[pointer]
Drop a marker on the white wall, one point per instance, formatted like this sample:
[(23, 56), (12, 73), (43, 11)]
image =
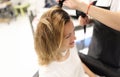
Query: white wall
[(15, 2), (37, 3)]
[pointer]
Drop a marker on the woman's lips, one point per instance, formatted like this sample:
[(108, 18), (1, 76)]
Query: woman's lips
[(72, 43)]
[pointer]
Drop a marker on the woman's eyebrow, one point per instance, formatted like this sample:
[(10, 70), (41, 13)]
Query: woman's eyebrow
[(67, 35)]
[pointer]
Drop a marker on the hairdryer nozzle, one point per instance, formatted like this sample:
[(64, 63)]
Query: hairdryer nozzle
[(61, 3)]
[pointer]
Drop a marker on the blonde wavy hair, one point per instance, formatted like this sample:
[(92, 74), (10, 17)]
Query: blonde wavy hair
[(49, 34)]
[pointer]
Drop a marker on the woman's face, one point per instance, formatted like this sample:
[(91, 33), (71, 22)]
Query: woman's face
[(68, 36)]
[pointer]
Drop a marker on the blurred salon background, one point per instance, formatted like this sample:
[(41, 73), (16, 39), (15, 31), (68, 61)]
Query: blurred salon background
[(18, 21)]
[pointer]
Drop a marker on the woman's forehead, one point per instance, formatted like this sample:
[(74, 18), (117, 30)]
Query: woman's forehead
[(69, 27)]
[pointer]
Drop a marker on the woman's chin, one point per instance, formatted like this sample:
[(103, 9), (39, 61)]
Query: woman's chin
[(72, 45)]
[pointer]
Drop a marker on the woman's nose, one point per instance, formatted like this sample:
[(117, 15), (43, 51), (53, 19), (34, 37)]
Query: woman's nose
[(73, 37)]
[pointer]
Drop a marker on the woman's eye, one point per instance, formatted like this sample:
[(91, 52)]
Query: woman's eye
[(66, 37), (69, 35)]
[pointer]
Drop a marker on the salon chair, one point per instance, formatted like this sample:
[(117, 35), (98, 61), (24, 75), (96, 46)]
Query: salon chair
[(99, 67)]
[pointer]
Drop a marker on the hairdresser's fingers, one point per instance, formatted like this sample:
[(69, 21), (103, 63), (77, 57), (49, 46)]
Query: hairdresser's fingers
[(73, 4), (68, 3), (83, 21), (58, 0)]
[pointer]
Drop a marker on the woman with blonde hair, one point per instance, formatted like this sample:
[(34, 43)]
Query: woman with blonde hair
[(54, 45)]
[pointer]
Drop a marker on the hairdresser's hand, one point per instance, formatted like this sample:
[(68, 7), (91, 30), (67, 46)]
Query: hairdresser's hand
[(88, 71), (73, 4), (83, 21)]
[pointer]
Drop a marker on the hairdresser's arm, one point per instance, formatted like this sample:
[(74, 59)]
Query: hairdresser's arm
[(111, 19)]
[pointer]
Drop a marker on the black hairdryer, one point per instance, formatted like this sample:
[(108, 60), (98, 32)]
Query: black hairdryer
[(61, 3), (79, 13)]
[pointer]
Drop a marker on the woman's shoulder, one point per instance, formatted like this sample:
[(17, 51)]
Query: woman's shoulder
[(45, 72)]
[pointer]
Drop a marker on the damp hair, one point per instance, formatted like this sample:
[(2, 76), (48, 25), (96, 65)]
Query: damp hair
[(49, 34)]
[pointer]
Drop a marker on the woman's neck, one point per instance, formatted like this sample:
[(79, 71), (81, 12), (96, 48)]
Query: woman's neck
[(64, 55), (64, 52)]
